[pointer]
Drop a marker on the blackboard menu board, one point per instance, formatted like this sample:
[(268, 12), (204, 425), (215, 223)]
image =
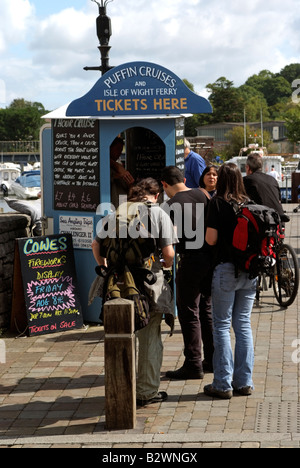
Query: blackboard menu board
[(179, 144), (146, 154), (76, 157), (45, 298)]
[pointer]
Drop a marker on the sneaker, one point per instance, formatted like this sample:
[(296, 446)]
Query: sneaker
[(210, 391), (160, 397), (185, 374)]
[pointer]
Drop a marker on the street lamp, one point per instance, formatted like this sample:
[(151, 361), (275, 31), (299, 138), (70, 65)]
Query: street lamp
[(104, 32)]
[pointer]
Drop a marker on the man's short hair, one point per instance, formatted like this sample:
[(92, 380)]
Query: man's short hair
[(172, 176), (255, 162)]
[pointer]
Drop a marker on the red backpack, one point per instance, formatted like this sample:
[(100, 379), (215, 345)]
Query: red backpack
[(255, 237)]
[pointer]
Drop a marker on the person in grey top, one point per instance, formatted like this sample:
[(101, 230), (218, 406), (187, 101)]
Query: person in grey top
[(159, 294)]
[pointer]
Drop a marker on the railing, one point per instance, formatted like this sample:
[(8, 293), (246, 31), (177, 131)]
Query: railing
[(19, 147)]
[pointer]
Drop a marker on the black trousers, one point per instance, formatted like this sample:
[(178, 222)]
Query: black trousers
[(195, 310)]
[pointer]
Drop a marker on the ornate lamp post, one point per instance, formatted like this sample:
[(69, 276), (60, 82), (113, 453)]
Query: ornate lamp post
[(104, 32)]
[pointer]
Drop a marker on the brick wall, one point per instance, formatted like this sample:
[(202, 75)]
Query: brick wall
[(12, 226)]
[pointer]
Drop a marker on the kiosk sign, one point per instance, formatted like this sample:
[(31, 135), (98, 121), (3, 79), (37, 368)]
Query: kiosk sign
[(81, 228), (139, 88)]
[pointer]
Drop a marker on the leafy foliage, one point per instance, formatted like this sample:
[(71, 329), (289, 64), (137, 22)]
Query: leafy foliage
[(21, 120), (266, 92)]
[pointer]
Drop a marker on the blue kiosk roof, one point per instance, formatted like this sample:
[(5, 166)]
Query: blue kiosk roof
[(134, 90)]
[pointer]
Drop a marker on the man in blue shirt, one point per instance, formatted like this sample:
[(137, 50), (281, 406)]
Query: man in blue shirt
[(194, 166)]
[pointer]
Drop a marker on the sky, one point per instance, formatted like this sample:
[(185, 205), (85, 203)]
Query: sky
[(45, 44)]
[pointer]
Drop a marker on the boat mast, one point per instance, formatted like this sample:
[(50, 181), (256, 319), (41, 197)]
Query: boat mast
[(245, 129), (262, 127)]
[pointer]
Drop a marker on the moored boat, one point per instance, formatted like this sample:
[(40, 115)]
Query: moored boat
[(8, 174), (28, 185)]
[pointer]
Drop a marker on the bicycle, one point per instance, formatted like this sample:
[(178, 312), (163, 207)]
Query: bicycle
[(283, 274)]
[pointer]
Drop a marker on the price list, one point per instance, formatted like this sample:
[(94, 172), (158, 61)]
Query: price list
[(76, 165)]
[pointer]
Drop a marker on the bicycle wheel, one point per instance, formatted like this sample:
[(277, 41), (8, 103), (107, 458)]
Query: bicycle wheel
[(286, 276)]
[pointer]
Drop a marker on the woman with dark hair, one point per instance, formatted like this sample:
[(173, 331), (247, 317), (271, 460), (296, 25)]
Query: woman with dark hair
[(233, 293), (144, 190), (208, 181)]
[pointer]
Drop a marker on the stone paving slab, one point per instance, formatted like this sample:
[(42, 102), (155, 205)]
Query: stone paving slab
[(52, 391), (116, 440)]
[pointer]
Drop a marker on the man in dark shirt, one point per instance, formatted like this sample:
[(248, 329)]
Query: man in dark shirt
[(262, 188), (187, 208)]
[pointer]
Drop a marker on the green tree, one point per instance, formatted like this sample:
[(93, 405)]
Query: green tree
[(291, 72), (189, 85), (21, 120), (236, 141), (22, 104), (226, 100), (275, 88), (254, 102), (258, 81), (191, 123), (292, 118), (236, 138)]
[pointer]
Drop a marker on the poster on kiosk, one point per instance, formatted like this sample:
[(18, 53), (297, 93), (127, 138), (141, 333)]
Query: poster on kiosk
[(143, 104)]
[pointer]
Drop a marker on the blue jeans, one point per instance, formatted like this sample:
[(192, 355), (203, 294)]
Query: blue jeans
[(232, 300)]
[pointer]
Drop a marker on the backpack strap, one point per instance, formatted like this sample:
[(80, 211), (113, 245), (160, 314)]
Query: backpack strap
[(205, 193)]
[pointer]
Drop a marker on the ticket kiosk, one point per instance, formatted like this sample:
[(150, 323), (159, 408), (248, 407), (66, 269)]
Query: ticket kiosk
[(141, 102)]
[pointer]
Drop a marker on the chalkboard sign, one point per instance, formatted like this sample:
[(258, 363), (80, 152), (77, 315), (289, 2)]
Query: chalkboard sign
[(146, 154), (76, 158), (45, 298)]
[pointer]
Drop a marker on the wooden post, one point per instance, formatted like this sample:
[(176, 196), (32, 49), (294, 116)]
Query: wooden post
[(120, 370)]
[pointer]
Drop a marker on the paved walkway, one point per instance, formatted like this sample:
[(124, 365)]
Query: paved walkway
[(52, 391)]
